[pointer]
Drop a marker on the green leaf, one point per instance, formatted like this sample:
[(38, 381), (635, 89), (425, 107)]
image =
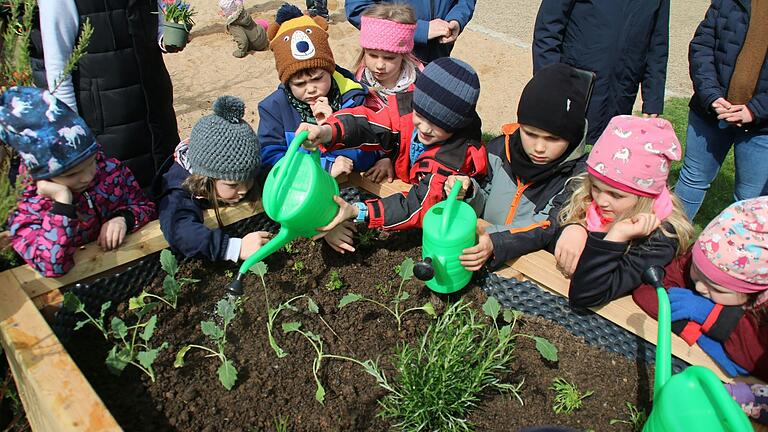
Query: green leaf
[(179, 362), (149, 328), (72, 303), (546, 349), (171, 288), (312, 306), (227, 374), (187, 281), (492, 307), (260, 268), (406, 269), (313, 336), (276, 348), (349, 298), (147, 308), (104, 308), (119, 328), (504, 332), (320, 393), (211, 330), (429, 309), (168, 262), (117, 361), (146, 358), (81, 324), (291, 326), (290, 307), (137, 302), (404, 296), (510, 315), (226, 310)]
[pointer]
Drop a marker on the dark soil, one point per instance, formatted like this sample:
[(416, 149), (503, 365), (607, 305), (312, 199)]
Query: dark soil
[(269, 388)]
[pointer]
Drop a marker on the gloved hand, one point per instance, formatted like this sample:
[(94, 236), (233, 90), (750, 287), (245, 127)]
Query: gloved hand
[(688, 305), (715, 350)]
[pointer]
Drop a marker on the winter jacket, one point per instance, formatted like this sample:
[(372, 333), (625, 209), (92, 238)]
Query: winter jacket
[(608, 270), (181, 215), (625, 42), (712, 57), (392, 130), (278, 120), (523, 216), (121, 87), (743, 335), (47, 233), (426, 10)]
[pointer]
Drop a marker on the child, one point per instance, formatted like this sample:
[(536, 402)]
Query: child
[(621, 218), (75, 195), (217, 165), (435, 131), (718, 289), (312, 86), (528, 168), (249, 35)]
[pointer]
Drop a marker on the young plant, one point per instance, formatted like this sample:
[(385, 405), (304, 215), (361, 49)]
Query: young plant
[(289, 247), (298, 267), (178, 11), (334, 283), (226, 309), (442, 377), (568, 398), (281, 423), (366, 237), (229, 274), (127, 349), (636, 418), (405, 270), (260, 269)]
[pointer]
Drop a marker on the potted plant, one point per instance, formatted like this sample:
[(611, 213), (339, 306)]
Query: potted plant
[(178, 22)]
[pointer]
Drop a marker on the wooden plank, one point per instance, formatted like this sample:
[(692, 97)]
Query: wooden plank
[(91, 260), (380, 189), (56, 396)]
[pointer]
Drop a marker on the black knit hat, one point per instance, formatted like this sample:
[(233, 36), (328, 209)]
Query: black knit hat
[(555, 100), (446, 93), (222, 145)]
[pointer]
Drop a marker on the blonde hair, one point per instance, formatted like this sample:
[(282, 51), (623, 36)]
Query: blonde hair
[(205, 187), (575, 212), (398, 12)]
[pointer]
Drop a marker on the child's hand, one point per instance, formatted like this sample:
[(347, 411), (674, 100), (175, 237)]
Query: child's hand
[(466, 183), (638, 226), (454, 28), (341, 165), (381, 170), (685, 304), (317, 135), (438, 28), (341, 237), (253, 242), (473, 258), (5, 240), (55, 191), (321, 109), (346, 211), (113, 233), (569, 247)]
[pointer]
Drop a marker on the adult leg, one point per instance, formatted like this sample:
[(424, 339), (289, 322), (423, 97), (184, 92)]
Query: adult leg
[(750, 155), (706, 146)]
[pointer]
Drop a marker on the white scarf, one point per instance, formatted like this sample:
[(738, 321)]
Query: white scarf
[(407, 77)]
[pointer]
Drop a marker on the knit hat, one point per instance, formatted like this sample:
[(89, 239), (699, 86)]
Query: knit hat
[(386, 35), (50, 138), (446, 93), (299, 42), (223, 145), (555, 100), (732, 251)]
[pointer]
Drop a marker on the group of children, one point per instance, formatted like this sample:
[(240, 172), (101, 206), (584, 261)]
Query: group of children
[(607, 215)]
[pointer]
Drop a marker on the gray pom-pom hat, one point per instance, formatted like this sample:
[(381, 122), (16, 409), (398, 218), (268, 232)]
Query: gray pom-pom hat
[(224, 146)]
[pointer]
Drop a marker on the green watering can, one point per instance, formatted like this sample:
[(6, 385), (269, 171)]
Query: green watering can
[(693, 400), (448, 229), (298, 194)]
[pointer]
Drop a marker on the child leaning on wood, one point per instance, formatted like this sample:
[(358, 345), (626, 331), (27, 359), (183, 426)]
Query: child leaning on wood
[(75, 194)]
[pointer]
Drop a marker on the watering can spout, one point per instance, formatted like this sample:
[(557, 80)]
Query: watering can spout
[(654, 276), (284, 236)]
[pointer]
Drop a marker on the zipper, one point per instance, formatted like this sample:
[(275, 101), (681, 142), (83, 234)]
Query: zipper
[(91, 206)]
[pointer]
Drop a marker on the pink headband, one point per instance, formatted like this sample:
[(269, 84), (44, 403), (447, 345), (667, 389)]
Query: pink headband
[(386, 35)]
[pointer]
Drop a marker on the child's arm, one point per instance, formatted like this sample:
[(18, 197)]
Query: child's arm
[(548, 32), (655, 75), (406, 210), (362, 128), (134, 205), (271, 136), (702, 60)]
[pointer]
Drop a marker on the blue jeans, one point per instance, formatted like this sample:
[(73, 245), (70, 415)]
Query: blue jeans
[(706, 146)]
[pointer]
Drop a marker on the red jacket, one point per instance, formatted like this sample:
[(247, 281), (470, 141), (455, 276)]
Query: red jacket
[(743, 335), (391, 129)]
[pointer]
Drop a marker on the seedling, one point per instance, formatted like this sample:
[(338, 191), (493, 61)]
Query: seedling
[(405, 270), (568, 398), (385, 290), (229, 274), (281, 423), (289, 247), (127, 349), (171, 285), (367, 237), (298, 267), (334, 283), (260, 269), (226, 309), (635, 417)]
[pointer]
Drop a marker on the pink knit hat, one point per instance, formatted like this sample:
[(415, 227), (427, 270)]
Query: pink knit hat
[(732, 251), (633, 154), (386, 35)]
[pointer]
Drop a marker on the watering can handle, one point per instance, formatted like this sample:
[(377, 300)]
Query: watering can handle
[(291, 158), (451, 203)]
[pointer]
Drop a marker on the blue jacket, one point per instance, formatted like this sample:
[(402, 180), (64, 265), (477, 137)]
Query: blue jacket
[(426, 10), (712, 56), (278, 120), (625, 42)]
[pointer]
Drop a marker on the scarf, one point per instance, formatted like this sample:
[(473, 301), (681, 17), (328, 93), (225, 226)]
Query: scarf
[(303, 108), (597, 222), (407, 77), (417, 148), (746, 72), (528, 171)]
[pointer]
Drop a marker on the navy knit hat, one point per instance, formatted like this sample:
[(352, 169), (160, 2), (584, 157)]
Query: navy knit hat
[(222, 145), (446, 93), (50, 138)]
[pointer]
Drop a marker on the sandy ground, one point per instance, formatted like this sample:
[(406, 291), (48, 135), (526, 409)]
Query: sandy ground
[(496, 43)]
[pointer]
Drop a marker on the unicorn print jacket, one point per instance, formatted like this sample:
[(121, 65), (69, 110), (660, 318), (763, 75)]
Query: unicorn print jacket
[(46, 233)]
